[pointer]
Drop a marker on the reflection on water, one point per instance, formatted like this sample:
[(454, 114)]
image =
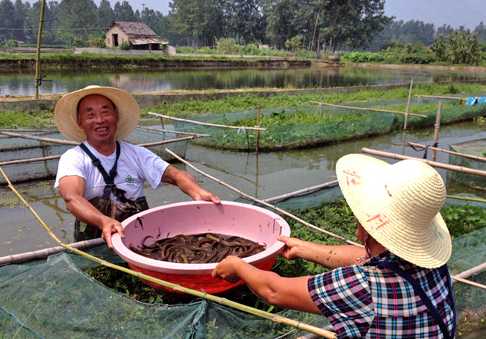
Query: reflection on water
[(148, 81), (267, 175)]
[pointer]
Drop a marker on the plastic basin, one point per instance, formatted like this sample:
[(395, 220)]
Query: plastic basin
[(194, 217)]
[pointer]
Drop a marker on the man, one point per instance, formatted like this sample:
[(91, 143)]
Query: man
[(102, 179), (397, 285)]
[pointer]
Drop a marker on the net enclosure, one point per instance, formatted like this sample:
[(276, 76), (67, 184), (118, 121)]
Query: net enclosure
[(57, 298), (313, 125)]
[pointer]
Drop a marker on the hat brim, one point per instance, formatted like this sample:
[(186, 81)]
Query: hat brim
[(362, 182), (65, 112)]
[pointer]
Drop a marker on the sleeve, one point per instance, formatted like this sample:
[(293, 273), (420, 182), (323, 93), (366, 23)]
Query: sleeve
[(70, 163), (343, 296), (152, 166)]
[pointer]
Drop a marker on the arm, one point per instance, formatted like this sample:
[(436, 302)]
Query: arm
[(274, 289), (331, 256), (188, 184), (72, 189)]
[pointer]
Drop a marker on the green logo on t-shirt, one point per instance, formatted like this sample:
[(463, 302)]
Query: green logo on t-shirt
[(129, 179)]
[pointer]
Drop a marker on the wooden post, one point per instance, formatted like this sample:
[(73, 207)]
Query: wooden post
[(405, 120), (163, 126), (39, 43), (436, 130), (258, 113)]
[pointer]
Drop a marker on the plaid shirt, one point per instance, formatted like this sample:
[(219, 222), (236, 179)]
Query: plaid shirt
[(365, 301)]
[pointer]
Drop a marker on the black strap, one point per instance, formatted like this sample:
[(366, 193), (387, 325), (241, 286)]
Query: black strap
[(110, 186), (423, 296)]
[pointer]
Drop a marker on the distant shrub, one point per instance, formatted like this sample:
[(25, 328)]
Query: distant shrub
[(459, 47), (96, 41), (227, 46), (10, 43), (294, 43), (361, 57)]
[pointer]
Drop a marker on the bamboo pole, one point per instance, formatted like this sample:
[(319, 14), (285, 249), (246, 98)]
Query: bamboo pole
[(38, 52), (44, 253), (262, 202), (437, 129), (441, 97), (257, 147), (27, 161), (368, 109), (223, 301), (472, 271), (168, 141), (458, 197), (145, 128), (195, 122), (431, 163), (469, 282), (407, 109), (54, 157), (35, 137), (300, 192), (463, 155)]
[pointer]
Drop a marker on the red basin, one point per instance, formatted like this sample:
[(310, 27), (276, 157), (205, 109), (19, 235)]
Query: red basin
[(194, 217)]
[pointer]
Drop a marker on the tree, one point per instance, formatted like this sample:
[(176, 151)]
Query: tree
[(199, 22), (480, 32), (244, 20), (124, 12), (77, 19), (105, 15), (459, 47), (7, 20)]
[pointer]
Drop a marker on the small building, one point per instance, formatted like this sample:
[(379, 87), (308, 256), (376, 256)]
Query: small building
[(136, 34)]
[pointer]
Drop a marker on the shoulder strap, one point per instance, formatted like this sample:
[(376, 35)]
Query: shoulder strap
[(421, 293), (109, 178)]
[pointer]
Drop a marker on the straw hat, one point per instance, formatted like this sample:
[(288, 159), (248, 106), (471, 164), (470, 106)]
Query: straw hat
[(398, 205), (65, 112)]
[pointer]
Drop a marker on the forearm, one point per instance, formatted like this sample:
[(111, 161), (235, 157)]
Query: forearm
[(85, 211), (331, 256)]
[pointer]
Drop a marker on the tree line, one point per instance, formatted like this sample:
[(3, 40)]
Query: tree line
[(290, 24)]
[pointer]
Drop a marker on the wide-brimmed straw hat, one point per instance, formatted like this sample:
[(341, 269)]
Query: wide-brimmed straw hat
[(398, 205), (65, 112)]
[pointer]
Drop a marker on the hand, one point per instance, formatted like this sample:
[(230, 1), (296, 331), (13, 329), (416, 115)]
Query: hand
[(293, 247), (108, 227), (202, 195), (226, 269)]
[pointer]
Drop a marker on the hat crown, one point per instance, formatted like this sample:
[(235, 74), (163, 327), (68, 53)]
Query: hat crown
[(417, 192)]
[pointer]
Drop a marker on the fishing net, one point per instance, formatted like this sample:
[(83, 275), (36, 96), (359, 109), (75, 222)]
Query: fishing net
[(313, 125), (476, 148), (57, 298)]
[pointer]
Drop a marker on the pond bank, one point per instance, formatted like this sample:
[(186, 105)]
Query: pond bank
[(444, 68), (150, 99), (17, 63)]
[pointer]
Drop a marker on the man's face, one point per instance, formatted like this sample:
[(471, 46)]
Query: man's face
[(98, 118)]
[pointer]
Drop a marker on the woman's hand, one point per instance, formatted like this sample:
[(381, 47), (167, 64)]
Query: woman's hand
[(294, 248), (227, 268)]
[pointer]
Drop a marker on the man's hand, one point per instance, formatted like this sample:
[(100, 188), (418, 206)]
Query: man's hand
[(203, 195), (294, 248), (108, 227), (226, 269)]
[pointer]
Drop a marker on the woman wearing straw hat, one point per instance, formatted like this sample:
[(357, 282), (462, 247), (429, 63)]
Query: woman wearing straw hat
[(398, 284), (102, 179)]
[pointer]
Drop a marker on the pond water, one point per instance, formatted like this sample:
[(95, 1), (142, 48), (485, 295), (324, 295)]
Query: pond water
[(20, 84), (265, 175)]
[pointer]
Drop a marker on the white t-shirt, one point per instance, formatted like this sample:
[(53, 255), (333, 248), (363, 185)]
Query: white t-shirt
[(135, 166)]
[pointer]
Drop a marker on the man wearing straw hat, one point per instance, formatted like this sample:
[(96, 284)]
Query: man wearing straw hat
[(102, 179), (398, 284)]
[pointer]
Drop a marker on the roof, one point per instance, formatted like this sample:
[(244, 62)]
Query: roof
[(135, 29)]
